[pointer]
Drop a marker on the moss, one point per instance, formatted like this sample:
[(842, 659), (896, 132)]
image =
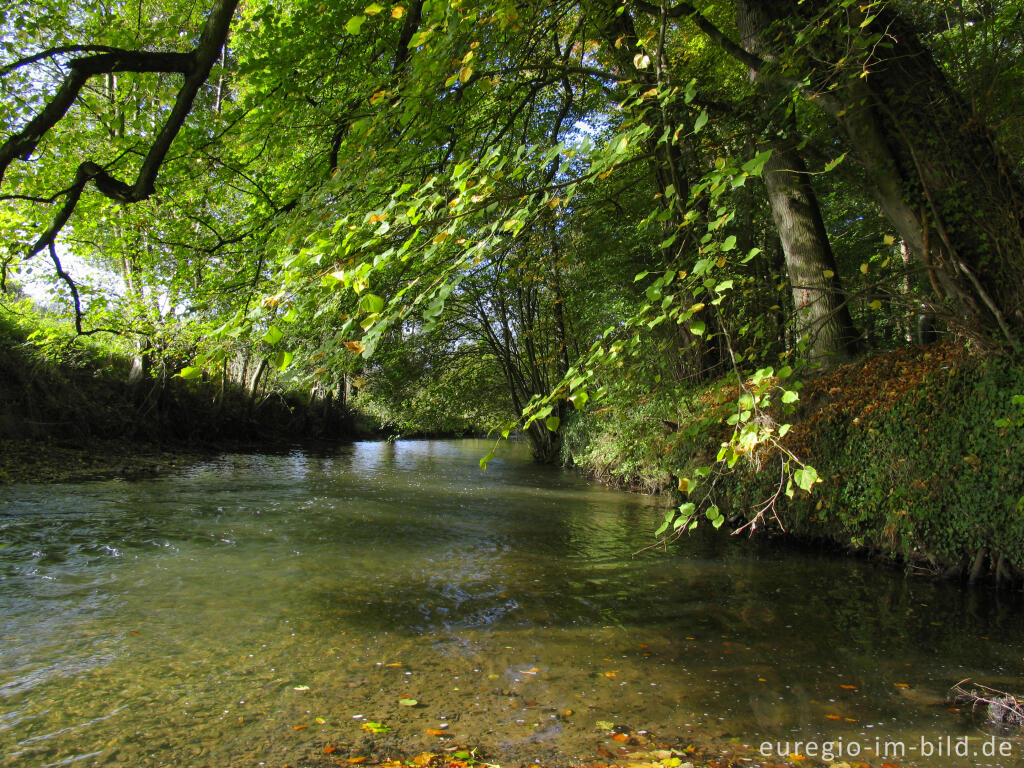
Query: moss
[(917, 462)]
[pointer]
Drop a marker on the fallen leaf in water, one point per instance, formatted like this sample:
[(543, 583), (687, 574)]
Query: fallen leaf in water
[(902, 685), (620, 737), (613, 673), (604, 725), (889, 765), (329, 750), (408, 702), (848, 687), (321, 721), (374, 727), (396, 664), (531, 671), (834, 717), (299, 727), (423, 758), (356, 760), (436, 732), (301, 688)]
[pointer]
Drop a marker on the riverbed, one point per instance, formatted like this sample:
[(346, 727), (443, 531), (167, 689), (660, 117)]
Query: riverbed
[(387, 599)]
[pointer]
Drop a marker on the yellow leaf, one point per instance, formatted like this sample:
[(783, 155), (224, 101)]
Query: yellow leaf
[(397, 12), (377, 217), (684, 484), (652, 92), (889, 240), (875, 305), (465, 73), (721, 261), (440, 237), (828, 274), (354, 347), (864, 268), (554, 203)]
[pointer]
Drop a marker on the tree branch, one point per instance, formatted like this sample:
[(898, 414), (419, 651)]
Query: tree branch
[(195, 66), (51, 52), (705, 25)]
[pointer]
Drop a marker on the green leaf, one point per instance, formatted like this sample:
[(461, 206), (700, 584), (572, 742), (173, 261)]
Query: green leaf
[(698, 327), (552, 423), (355, 25), (806, 478), (273, 335), (485, 459), (190, 372), (371, 303), (283, 359), (789, 396), (832, 165), (755, 167), (701, 121), (579, 400), (408, 702)]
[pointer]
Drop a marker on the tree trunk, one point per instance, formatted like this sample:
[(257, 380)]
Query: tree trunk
[(822, 316), (936, 169)]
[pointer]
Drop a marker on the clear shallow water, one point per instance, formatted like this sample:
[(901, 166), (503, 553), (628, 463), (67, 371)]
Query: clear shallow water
[(259, 609)]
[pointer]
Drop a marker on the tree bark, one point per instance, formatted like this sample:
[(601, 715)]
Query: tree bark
[(822, 315), (935, 167)]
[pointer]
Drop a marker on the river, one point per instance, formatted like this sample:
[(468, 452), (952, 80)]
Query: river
[(389, 599)]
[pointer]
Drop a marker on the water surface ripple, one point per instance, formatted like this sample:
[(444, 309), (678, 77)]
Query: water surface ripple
[(257, 610)]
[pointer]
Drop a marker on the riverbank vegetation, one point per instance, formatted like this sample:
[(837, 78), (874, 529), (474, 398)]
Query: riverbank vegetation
[(765, 255)]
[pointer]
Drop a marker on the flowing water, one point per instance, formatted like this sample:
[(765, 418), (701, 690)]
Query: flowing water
[(262, 610)]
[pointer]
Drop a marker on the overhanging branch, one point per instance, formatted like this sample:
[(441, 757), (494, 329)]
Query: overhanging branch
[(195, 66)]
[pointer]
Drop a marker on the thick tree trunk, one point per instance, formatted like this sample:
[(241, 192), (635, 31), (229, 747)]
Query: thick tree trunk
[(822, 315), (937, 172)]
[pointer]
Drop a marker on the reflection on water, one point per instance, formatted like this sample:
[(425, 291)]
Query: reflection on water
[(259, 609)]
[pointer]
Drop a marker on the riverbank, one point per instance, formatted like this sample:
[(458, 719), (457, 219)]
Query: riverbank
[(918, 449)]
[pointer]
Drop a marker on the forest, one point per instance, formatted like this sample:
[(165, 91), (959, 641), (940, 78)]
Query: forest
[(766, 256)]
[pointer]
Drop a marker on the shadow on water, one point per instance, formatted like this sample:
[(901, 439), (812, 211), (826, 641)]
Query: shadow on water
[(257, 608)]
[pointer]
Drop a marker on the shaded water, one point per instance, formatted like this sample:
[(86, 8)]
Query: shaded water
[(260, 609)]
